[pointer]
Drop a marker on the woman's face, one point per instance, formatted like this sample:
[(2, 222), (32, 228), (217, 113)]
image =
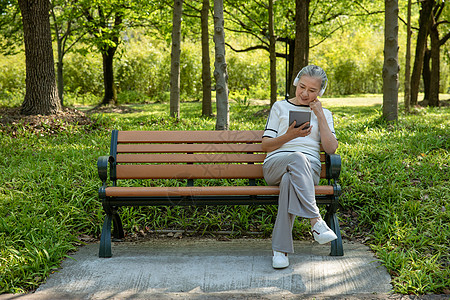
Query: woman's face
[(308, 89)]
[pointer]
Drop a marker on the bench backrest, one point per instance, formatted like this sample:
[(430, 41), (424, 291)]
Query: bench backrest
[(188, 155)]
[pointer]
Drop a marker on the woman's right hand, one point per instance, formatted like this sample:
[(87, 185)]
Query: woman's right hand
[(271, 144), (293, 132)]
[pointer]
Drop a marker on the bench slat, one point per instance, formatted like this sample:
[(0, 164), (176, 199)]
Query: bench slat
[(202, 171), (218, 171), (185, 148), (203, 191), (194, 158), (250, 136), (191, 158)]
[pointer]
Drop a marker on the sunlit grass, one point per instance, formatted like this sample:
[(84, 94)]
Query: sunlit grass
[(394, 177)]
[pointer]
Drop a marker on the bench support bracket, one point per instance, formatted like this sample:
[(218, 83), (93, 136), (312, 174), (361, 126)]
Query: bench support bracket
[(105, 240)]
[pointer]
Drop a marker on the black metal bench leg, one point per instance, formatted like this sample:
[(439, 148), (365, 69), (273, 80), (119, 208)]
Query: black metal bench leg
[(118, 228), (337, 248), (105, 240)]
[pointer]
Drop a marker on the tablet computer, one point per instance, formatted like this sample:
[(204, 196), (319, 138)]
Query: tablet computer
[(300, 117)]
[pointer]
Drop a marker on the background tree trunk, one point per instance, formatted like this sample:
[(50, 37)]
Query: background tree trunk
[(59, 63), (175, 60), (60, 80), (407, 97), (110, 96), (41, 95), (106, 37), (220, 69), (273, 57), (291, 75), (206, 62), (433, 99), (424, 20), (301, 49), (391, 66), (426, 75)]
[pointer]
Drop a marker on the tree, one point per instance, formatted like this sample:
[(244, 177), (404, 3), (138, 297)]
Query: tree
[(424, 21), (256, 20), (426, 75), (391, 66), (407, 97), (206, 69), (105, 22), (195, 11), (273, 57), (301, 48), (175, 60), (428, 26), (68, 33), (41, 95), (435, 53), (220, 71)]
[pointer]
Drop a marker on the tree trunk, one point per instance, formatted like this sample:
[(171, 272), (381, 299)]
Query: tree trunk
[(426, 76), (291, 49), (407, 97), (433, 99), (60, 80), (424, 20), (273, 57), (301, 51), (175, 60), (391, 66), (60, 53), (41, 95), (110, 96), (206, 62), (220, 68)]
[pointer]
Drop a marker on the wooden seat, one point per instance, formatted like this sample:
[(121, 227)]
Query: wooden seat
[(203, 191), (189, 156)]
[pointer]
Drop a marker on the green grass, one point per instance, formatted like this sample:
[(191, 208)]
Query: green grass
[(395, 181)]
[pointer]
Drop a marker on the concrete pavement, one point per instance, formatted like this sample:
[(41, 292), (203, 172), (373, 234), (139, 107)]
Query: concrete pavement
[(170, 268)]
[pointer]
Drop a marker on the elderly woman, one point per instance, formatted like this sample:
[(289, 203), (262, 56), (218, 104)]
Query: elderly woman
[(293, 160)]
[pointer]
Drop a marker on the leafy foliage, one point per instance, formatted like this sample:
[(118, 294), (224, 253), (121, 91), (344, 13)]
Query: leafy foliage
[(11, 32)]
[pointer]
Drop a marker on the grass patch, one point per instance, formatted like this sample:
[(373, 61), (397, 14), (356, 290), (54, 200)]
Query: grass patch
[(395, 180)]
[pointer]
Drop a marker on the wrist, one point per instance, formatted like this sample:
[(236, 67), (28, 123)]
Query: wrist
[(288, 136), (319, 114)]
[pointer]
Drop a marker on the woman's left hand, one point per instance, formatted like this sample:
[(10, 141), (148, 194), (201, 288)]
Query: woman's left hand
[(327, 138), (316, 107)]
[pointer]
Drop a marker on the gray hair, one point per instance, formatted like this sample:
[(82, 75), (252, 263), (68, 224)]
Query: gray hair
[(313, 71)]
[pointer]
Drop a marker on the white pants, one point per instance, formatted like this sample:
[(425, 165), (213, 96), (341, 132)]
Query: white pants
[(296, 174)]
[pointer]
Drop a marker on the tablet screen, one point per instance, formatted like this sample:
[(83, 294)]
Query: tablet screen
[(300, 117)]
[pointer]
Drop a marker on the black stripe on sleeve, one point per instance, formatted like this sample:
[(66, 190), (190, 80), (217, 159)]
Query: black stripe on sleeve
[(271, 130)]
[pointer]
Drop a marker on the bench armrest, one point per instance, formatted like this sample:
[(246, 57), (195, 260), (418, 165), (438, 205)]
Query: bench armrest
[(102, 166), (333, 165)]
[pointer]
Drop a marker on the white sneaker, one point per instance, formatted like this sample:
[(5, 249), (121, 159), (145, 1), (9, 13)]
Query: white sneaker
[(322, 233), (279, 260)]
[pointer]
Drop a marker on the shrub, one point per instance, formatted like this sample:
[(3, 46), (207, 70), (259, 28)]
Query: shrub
[(83, 74), (12, 76)]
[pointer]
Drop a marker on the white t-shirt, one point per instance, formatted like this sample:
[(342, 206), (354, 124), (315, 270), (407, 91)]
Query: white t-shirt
[(278, 123)]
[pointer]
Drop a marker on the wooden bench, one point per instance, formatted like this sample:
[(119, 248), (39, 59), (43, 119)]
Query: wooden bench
[(191, 155)]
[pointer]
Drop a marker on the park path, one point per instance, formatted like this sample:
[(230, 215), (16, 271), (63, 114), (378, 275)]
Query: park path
[(170, 268)]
